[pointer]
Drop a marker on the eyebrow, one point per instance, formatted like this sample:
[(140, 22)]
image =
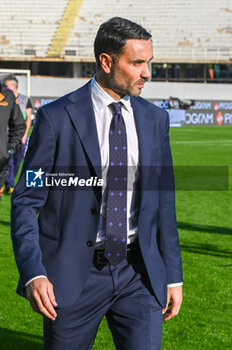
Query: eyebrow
[(140, 61)]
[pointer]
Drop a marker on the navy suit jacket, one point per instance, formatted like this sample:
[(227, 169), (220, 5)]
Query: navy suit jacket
[(54, 231)]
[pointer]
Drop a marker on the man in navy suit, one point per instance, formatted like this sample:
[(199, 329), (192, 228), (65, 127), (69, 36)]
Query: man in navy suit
[(83, 253)]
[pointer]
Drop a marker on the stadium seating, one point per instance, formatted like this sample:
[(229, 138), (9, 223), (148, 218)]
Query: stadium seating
[(183, 31), (29, 25)]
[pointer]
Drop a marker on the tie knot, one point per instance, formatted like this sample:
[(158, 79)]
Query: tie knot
[(116, 107)]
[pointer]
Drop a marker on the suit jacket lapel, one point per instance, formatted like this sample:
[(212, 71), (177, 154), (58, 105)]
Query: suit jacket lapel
[(82, 114), (144, 127)]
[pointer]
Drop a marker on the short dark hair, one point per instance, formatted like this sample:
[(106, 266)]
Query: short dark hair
[(112, 35), (11, 77)]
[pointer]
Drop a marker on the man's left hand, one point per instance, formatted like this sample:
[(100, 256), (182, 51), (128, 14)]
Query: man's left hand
[(174, 300)]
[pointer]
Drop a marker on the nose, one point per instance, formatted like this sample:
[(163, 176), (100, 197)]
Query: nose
[(146, 74)]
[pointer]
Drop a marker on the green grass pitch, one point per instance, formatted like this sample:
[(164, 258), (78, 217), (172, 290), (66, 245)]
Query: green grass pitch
[(205, 229)]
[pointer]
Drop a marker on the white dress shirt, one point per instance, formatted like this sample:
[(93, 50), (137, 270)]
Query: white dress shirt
[(103, 115)]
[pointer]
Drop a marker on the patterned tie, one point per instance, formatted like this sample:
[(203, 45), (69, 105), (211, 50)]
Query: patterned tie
[(116, 207)]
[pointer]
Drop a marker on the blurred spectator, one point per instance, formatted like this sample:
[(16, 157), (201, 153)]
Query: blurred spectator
[(177, 103), (173, 103), (11, 118), (26, 108), (211, 72)]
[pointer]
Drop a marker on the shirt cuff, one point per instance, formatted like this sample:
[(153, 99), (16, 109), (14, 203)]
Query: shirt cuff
[(34, 278), (175, 284)]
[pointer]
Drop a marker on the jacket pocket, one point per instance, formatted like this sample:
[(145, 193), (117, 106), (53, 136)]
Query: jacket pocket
[(50, 216)]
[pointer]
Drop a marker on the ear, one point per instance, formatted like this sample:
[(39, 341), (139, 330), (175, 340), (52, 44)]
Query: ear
[(106, 62)]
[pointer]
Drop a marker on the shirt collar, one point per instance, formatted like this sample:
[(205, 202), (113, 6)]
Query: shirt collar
[(101, 99)]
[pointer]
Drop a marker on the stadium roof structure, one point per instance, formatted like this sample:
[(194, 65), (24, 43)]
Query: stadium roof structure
[(64, 30)]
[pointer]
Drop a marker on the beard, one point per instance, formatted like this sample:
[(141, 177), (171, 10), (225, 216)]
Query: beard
[(122, 87)]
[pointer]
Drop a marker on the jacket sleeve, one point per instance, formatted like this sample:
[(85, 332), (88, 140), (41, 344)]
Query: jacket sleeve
[(168, 239), (27, 201), (16, 126)]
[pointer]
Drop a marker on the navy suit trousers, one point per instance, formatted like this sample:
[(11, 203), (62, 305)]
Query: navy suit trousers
[(122, 293)]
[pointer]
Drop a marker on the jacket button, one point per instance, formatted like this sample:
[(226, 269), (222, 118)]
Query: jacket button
[(89, 243), (93, 211)]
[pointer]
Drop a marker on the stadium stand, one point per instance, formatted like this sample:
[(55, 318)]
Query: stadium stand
[(64, 28), (192, 40), (196, 30), (28, 27)]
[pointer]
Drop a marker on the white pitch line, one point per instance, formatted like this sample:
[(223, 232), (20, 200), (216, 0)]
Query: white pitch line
[(203, 141)]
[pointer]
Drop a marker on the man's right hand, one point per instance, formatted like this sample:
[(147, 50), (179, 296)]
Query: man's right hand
[(41, 296)]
